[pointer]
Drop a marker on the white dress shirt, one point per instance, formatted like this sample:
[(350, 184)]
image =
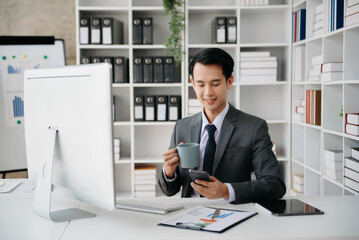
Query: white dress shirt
[(218, 121)]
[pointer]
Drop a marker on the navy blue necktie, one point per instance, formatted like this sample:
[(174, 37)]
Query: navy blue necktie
[(210, 150)]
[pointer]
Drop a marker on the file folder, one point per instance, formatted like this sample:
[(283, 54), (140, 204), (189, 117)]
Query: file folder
[(162, 108), (169, 70), (139, 108), (150, 105), (137, 70), (219, 30), (110, 61), (112, 31), (147, 31), (96, 59), (158, 70), (96, 36), (137, 30), (84, 60), (148, 70), (121, 70), (174, 108), (85, 30), (232, 30)]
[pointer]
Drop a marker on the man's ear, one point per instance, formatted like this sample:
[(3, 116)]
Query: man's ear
[(192, 81), (230, 82)]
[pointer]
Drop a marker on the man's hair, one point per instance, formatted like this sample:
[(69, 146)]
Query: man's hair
[(214, 56)]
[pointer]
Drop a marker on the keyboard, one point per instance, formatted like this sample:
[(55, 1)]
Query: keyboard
[(148, 205)]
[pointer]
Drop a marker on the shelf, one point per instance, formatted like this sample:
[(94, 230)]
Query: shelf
[(210, 8), (339, 31), (103, 46), (351, 27), (120, 85), (298, 162), (124, 161), (104, 9), (299, 123), (262, 83), (212, 45), (351, 137), (312, 39), (154, 123), (251, 45), (333, 132), (149, 160), (157, 85), (333, 83), (277, 121), (334, 181), (313, 126), (300, 43), (148, 9), (351, 81), (312, 169), (267, 8), (298, 83), (122, 123), (153, 46)]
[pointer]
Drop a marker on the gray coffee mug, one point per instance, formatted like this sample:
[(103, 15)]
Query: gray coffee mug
[(188, 155)]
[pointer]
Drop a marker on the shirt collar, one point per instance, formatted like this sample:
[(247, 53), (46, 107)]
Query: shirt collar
[(217, 121)]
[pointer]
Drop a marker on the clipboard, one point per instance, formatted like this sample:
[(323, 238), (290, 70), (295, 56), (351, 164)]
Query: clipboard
[(200, 218)]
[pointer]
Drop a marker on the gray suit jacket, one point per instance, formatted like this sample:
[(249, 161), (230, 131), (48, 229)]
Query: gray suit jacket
[(243, 146)]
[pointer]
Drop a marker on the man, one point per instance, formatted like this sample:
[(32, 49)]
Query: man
[(232, 146)]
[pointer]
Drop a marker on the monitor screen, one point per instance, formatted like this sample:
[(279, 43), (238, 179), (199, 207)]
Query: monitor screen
[(77, 101)]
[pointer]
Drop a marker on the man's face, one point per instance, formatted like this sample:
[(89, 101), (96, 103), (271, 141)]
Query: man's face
[(211, 87)]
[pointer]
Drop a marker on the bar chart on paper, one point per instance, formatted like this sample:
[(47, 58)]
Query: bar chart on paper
[(18, 106), (221, 215)]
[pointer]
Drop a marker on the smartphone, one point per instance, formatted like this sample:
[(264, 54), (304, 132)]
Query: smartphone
[(201, 175)]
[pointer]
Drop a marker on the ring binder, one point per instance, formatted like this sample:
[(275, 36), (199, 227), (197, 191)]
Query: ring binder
[(147, 31), (96, 33), (84, 30), (137, 70), (137, 30)]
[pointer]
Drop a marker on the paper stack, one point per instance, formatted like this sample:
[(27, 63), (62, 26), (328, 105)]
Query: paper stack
[(334, 164), (299, 111), (253, 2), (145, 181), (352, 124), (319, 22), (117, 149), (297, 185), (314, 74), (351, 170), (352, 13), (332, 71), (258, 67), (194, 106)]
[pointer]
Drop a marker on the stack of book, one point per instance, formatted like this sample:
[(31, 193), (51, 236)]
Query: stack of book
[(352, 12), (253, 2), (297, 185), (298, 25), (319, 21), (299, 111), (299, 64), (117, 149), (334, 164), (332, 71), (145, 181), (194, 106), (314, 74), (351, 170), (258, 66), (336, 14), (313, 107), (352, 124)]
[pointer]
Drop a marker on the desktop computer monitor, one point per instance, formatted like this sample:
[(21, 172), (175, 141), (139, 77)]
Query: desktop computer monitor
[(68, 136)]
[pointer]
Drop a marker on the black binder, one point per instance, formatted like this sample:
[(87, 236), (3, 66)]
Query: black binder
[(112, 31), (169, 70), (219, 30), (138, 70), (174, 105), (158, 70), (150, 106), (121, 70), (162, 108), (84, 60), (110, 61), (148, 70), (231, 30), (96, 33), (139, 108), (147, 31), (96, 59), (84, 30), (137, 30)]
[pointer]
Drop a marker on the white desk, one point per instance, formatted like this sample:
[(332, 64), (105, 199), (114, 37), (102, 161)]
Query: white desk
[(341, 220)]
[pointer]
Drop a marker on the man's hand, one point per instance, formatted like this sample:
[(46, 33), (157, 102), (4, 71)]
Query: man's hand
[(211, 190), (171, 161)]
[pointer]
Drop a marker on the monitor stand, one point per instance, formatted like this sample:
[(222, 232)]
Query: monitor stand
[(42, 202)]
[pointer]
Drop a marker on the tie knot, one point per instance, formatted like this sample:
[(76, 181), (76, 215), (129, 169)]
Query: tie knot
[(211, 129)]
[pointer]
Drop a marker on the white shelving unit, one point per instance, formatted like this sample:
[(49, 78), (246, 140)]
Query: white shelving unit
[(262, 28), (309, 141)]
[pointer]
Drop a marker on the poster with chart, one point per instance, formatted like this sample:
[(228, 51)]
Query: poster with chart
[(16, 55), (12, 70)]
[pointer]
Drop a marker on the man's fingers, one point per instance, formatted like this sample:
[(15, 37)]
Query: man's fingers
[(203, 182)]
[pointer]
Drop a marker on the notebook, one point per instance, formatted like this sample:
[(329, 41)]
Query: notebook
[(148, 205)]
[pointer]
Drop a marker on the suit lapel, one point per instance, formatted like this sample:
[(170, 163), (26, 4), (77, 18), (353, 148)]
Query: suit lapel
[(225, 135)]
